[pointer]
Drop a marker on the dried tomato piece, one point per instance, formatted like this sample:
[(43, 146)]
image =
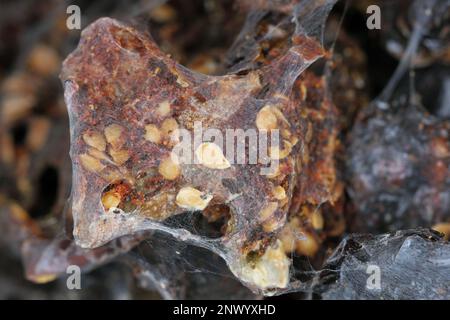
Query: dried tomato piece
[(129, 105)]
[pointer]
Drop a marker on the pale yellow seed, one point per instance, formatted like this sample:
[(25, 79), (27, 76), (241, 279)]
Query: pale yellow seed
[(307, 245), (283, 202), (17, 83), (317, 220), (304, 91), (277, 154), (163, 108), (272, 224), (439, 148), (269, 271), (192, 199), (163, 13), (168, 126), (152, 133), (279, 193), (38, 133), (113, 134), (15, 107), (305, 154), (95, 139), (253, 80), (266, 119), (169, 129), (274, 174), (268, 211), (294, 140), (288, 238), (443, 228), (44, 60), (98, 154), (182, 82), (90, 163), (211, 156), (309, 132), (281, 96), (169, 168), (280, 116), (110, 200), (111, 175), (119, 156), (43, 278), (18, 212), (285, 133)]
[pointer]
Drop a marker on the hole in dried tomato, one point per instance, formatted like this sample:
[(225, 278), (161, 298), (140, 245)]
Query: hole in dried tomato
[(211, 222), (19, 133), (119, 197), (47, 192)]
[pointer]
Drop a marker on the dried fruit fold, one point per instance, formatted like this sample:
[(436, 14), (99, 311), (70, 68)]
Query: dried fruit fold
[(130, 105)]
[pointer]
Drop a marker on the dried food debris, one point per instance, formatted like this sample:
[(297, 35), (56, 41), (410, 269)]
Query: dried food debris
[(398, 160), (402, 16), (128, 102), (399, 168), (398, 256)]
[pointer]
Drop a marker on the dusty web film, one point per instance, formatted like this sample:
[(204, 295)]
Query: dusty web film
[(328, 140), (127, 102)]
